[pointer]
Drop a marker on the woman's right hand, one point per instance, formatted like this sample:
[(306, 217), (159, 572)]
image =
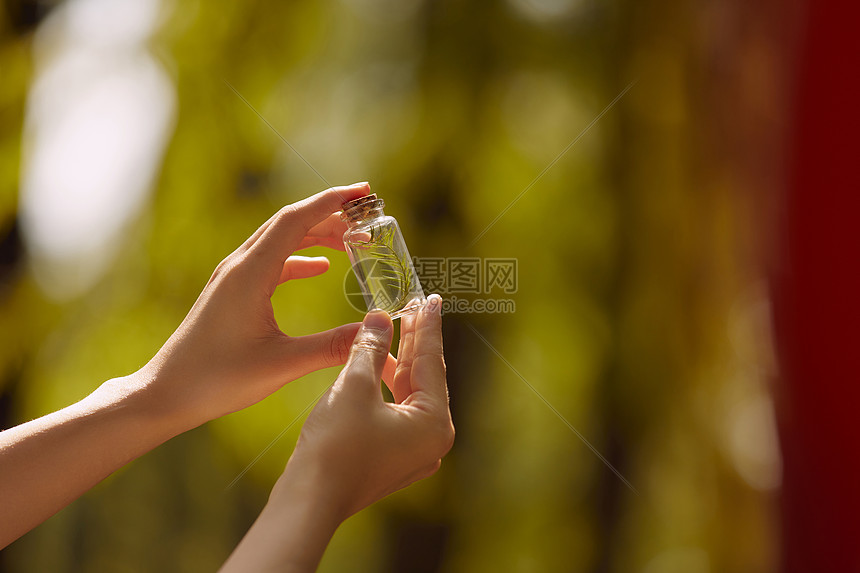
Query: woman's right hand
[(355, 448), (363, 448)]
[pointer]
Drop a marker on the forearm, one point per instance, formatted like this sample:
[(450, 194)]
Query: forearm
[(293, 530), (48, 462)]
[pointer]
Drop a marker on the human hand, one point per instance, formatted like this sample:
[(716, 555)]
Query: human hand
[(361, 448), (229, 352)]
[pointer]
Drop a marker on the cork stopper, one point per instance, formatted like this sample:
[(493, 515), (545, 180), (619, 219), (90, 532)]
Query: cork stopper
[(362, 208)]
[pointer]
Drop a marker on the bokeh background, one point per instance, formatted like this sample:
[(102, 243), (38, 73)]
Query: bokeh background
[(129, 168)]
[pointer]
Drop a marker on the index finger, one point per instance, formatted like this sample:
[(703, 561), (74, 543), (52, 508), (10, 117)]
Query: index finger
[(402, 386), (428, 361), (291, 224), (327, 233)]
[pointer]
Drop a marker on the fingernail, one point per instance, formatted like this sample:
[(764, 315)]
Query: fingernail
[(434, 303), (378, 320), (360, 184)]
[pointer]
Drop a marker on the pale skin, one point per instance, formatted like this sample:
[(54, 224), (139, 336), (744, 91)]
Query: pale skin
[(355, 448), (230, 353)]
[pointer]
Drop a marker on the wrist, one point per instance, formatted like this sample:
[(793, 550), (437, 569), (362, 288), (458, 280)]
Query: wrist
[(138, 396), (304, 483), (294, 528)]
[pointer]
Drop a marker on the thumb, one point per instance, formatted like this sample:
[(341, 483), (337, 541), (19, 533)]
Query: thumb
[(312, 352), (369, 351)]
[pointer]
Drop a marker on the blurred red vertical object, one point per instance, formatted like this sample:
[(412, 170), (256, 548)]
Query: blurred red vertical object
[(816, 301)]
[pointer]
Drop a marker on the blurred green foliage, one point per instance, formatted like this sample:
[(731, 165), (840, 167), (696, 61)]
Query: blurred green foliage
[(631, 252)]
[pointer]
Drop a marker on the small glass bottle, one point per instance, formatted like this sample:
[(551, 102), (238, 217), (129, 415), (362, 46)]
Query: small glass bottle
[(380, 259)]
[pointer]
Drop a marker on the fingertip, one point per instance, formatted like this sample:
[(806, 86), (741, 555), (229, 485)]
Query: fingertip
[(362, 186), (370, 350), (353, 191), (431, 312), (378, 320), (301, 267), (434, 304), (304, 258)]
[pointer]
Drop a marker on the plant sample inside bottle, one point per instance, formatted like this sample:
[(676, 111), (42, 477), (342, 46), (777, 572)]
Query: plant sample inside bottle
[(380, 259)]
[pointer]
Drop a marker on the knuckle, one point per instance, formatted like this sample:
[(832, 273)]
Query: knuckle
[(338, 350), (224, 269), (332, 195), (370, 345), (446, 438), (287, 211), (441, 439), (289, 215), (432, 468)]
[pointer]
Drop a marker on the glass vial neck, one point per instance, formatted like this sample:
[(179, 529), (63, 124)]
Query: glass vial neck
[(362, 209)]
